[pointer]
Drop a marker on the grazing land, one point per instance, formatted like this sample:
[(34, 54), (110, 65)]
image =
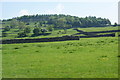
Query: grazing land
[(12, 34), (85, 58), (79, 58)]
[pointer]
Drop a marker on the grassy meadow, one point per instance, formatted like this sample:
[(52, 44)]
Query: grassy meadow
[(13, 33), (93, 57), (84, 58)]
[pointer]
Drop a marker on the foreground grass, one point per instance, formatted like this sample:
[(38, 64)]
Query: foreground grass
[(86, 58)]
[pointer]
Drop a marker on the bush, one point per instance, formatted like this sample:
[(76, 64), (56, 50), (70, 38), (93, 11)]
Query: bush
[(36, 31), (43, 30), (7, 28), (115, 24), (22, 34), (27, 30)]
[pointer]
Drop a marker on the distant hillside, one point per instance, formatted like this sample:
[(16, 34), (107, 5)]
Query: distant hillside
[(65, 21)]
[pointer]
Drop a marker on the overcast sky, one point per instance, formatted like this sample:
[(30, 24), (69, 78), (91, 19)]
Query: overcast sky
[(81, 8)]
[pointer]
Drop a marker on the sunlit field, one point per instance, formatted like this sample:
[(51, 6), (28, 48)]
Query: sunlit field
[(84, 58)]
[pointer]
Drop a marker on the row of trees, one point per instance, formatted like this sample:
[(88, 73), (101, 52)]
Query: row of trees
[(36, 31), (66, 21), (25, 32)]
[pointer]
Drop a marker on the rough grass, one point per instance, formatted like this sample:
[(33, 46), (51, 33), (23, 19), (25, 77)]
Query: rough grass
[(86, 58)]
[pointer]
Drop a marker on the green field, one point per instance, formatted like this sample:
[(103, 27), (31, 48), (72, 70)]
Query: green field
[(73, 46), (13, 33), (84, 58)]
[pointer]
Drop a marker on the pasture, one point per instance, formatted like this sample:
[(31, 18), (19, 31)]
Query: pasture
[(12, 34), (85, 58)]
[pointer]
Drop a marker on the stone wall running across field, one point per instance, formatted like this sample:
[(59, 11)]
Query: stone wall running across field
[(63, 38), (94, 33), (105, 35)]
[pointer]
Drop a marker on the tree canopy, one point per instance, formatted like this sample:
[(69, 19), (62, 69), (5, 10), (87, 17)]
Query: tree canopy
[(61, 21)]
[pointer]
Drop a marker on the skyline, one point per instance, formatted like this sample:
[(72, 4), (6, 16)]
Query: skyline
[(80, 9)]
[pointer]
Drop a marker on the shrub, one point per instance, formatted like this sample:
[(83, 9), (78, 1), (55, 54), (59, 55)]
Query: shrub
[(43, 30), (36, 31), (7, 28), (22, 34), (115, 24), (27, 30)]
